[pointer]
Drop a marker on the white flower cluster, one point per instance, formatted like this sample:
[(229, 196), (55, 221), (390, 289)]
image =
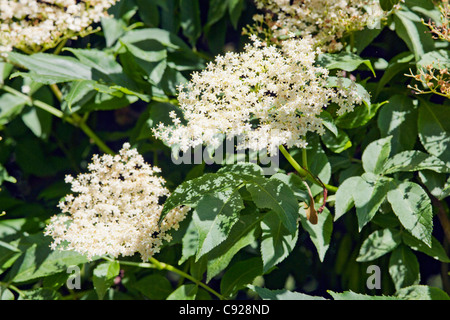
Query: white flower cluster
[(116, 209), (34, 25), (326, 21), (266, 96)]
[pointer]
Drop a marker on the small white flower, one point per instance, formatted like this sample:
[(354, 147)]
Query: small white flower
[(326, 21), (115, 209), (25, 89), (32, 25), (265, 96)]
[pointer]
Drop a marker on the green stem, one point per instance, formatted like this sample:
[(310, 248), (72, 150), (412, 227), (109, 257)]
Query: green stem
[(168, 267), (60, 46), (352, 42), (12, 287), (155, 264), (305, 158), (73, 119), (302, 172), (91, 134), (81, 122), (305, 174), (58, 94), (165, 100), (181, 280), (42, 105)]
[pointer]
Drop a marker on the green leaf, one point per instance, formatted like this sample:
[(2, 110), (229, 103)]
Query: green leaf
[(235, 9), (328, 122), (9, 253), (416, 35), (359, 117), (189, 242), (244, 170), (190, 192), (421, 292), (414, 160), (413, 208), (344, 196), (283, 294), (276, 195), (158, 113), (243, 233), (434, 130), (166, 38), (4, 176), (404, 267), (10, 107), (145, 73), (108, 98), (197, 268), (40, 294), (48, 69), (319, 233), (365, 37), (437, 183), (5, 70), (436, 250), (190, 19), (14, 227), (38, 121), (376, 154), (398, 118), (336, 143), (5, 293), (276, 241), (154, 287), (150, 51), (102, 61), (239, 275), (295, 183), (378, 244), (217, 9), (184, 292), (343, 61), (360, 90), (397, 64), (105, 69), (350, 295), (56, 281), (148, 11), (438, 59), (214, 217), (369, 193), (124, 10), (387, 5), (78, 90), (103, 277), (113, 29), (318, 164), (37, 248), (344, 251)]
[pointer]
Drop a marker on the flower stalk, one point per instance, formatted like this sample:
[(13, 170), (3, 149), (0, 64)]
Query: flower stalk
[(73, 119), (155, 264), (304, 173)]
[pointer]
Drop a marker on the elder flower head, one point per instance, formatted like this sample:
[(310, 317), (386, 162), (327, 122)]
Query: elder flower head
[(326, 21), (265, 96), (115, 210), (33, 25)]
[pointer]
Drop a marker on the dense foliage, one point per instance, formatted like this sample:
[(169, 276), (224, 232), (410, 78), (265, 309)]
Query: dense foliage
[(356, 208)]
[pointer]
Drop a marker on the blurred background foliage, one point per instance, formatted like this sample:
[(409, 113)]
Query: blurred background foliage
[(121, 81)]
